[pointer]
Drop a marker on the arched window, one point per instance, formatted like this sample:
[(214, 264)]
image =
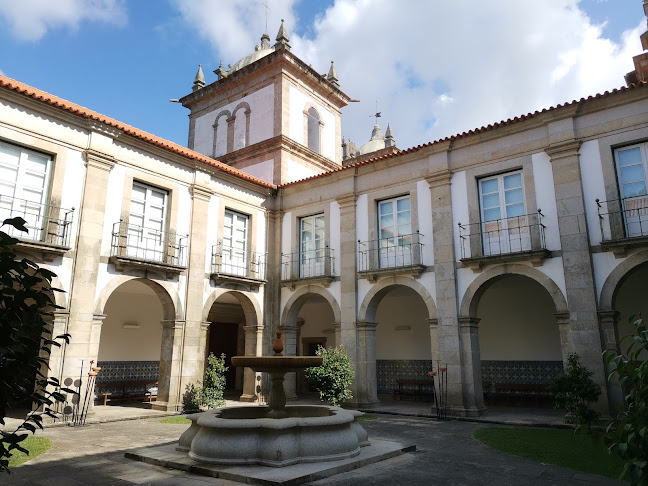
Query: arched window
[(313, 130)]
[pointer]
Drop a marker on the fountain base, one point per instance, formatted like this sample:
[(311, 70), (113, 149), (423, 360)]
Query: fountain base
[(249, 435)]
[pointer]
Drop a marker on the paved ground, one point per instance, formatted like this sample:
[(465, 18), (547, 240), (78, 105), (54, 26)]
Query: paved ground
[(447, 454)]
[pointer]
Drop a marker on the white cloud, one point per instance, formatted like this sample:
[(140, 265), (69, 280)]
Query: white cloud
[(29, 20), (234, 27), (437, 67)]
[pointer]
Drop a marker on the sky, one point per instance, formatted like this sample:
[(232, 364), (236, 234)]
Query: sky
[(435, 67)]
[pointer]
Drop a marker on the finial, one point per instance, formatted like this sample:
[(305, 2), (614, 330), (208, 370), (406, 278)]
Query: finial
[(265, 41), (332, 75), (389, 137), (282, 37), (277, 347), (220, 72), (199, 80)]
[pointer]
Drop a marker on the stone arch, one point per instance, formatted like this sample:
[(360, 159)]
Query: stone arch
[(313, 125), (477, 288), (251, 307), (615, 279), (294, 304), (169, 298), (241, 128), (367, 312), (243, 104), (228, 116)]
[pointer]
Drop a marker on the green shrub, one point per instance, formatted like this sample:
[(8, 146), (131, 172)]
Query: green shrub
[(26, 311), (333, 378), (627, 435), (575, 391), (211, 394), (191, 399)]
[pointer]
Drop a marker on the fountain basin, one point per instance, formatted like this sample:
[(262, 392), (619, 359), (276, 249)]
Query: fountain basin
[(248, 435)]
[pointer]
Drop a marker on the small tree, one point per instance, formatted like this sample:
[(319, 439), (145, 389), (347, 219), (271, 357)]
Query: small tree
[(333, 378), (26, 308), (575, 391), (627, 435), (211, 393)]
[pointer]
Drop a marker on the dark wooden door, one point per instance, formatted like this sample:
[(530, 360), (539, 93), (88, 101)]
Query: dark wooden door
[(223, 337)]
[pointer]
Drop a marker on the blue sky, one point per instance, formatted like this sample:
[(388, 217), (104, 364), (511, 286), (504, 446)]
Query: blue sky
[(436, 69)]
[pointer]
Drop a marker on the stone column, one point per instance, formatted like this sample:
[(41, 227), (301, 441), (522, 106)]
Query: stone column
[(434, 339), (348, 293), (194, 340), (338, 333), (58, 326), (366, 365), (230, 133), (584, 337), (471, 366), (289, 338), (249, 376), (169, 383), (83, 328), (610, 340), (448, 342)]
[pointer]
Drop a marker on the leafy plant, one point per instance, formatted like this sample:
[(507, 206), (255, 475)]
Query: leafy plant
[(575, 391), (627, 435), (211, 393), (333, 378), (26, 309), (191, 398)]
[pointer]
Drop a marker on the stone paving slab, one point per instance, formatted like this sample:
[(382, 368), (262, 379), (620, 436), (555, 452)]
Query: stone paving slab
[(167, 456)]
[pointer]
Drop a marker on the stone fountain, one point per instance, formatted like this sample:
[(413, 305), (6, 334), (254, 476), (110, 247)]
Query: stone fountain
[(275, 435)]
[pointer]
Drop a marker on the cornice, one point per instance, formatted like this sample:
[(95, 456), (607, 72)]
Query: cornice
[(439, 178), (200, 192), (562, 150), (98, 160)]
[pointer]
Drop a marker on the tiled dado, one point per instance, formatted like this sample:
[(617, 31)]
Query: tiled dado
[(113, 371), (390, 370), (523, 372)]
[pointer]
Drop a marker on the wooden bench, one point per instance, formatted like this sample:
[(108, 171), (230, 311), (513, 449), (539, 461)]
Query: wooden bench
[(126, 390), (414, 388), (509, 392)]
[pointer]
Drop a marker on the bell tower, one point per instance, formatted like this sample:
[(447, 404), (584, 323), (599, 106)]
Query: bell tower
[(270, 114), (640, 73)]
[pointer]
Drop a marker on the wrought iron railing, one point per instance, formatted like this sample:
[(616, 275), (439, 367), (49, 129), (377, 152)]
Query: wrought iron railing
[(148, 244), (623, 218), (45, 223), (305, 264), (503, 236), (230, 261), (392, 252)]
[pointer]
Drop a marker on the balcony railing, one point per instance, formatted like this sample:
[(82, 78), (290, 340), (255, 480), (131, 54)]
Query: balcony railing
[(238, 263), (46, 224), (623, 218), (148, 244), (503, 236), (393, 252), (307, 264)]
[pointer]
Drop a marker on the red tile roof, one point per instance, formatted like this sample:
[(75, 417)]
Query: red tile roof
[(476, 131), (12, 84)]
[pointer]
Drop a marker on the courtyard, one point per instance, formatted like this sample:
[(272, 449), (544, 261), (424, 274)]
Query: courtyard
[(446, 453)]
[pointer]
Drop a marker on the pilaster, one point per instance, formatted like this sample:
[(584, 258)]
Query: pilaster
[(471, 366), (348, 285), (608, 320), (84, 329), (249, 376), (366, 394), (583, 336), (169, 389), (447, 343)]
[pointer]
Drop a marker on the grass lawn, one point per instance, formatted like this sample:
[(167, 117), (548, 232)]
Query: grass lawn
[(177, 419), (560, 447), (35, 445)]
